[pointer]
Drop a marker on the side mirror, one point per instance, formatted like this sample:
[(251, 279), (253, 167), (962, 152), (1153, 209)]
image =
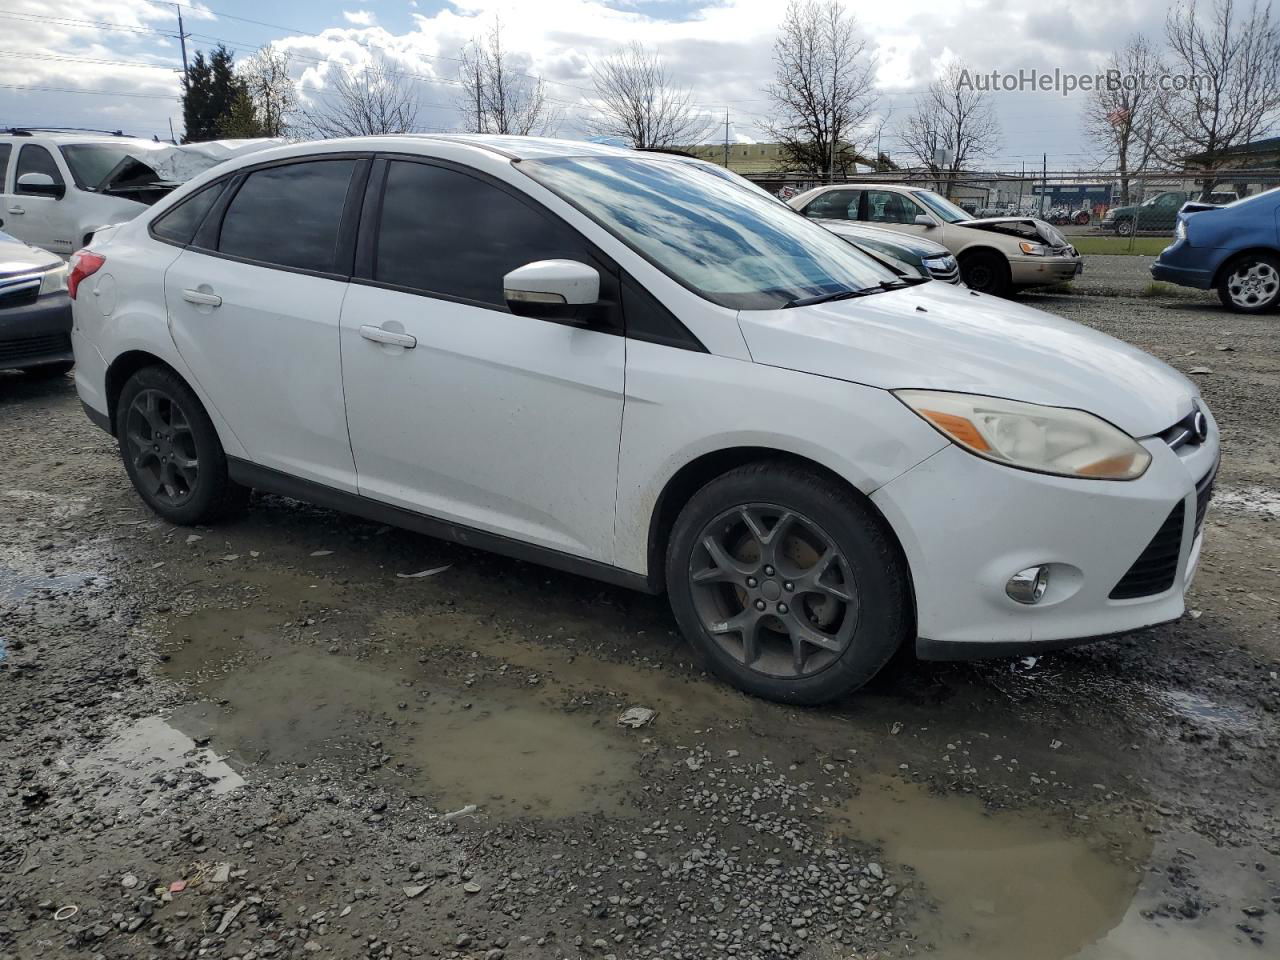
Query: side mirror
[(561, 290), (923, 220), (40, 185)]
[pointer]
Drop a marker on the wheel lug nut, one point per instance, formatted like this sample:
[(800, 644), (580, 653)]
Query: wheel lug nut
[(759, 604), (768, 571), (752, 582), (788, 585), (782, 608)]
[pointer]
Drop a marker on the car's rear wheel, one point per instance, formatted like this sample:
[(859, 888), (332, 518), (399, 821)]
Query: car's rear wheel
[(1124, 228), (172, 452), (986, 272), (785, 585), (1251, 284), (48, 371)]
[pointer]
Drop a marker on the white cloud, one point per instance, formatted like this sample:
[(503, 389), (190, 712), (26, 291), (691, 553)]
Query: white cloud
[(721, 49)]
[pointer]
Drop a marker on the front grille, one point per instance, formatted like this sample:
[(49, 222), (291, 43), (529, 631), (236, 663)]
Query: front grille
[(1204, 493), (19, 292), (946, 276), (1183, 433), (1154, 571), (32, 348)]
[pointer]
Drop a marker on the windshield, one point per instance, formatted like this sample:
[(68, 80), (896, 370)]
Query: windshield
[(91, 162), (732, 246), (941, 207)]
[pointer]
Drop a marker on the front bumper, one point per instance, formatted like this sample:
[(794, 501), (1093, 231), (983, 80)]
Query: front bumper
[(36, 333), (1186, 266), (967, 525), (1034, 271)]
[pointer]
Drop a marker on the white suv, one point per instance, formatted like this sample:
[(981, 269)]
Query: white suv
[(51, 192), (616, 364)]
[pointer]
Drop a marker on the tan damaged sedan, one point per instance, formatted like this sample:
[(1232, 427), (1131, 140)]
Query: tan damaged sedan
[(997, 254)]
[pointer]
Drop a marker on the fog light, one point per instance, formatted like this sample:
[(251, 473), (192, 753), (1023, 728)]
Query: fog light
[(1029, 585)]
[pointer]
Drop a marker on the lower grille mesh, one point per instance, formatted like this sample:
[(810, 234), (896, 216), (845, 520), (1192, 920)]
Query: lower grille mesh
[(1154, 571), (31, 348)]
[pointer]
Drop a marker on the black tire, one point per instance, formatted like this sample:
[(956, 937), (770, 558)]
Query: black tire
[(1262, 272), (195, 487), (871, 573), (50, 371), (1124, 228), (986, 272)]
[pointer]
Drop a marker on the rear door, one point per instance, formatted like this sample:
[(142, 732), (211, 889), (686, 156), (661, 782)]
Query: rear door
[(893, 210), (834, 205), (503, 423), (254, 304)]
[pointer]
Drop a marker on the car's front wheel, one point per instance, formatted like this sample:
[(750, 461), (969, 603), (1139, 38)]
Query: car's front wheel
[(1251, 284), (986, 272), (785, 585), (171, 450)]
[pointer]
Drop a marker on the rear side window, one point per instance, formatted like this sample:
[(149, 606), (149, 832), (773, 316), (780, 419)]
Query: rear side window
[(289, 216), (834, 205), (5, 150), (179, 225), (33, 158), (448, 233)]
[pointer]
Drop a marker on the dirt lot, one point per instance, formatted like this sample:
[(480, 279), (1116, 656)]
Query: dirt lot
[(267, 740)]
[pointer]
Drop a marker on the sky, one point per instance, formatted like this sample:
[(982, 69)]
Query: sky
[(116, 64)]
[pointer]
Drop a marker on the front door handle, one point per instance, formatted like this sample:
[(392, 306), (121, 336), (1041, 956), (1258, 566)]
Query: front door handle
[(202, 298), (18, 210), (378, 335)]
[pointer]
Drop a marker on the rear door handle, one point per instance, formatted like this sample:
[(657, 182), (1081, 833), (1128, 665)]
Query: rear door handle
[(16, 210), (378, 335), (202, 298)]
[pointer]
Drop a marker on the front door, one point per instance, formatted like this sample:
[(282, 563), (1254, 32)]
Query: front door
[(457, 407), (897, 211), (255, 317), (37, 218)]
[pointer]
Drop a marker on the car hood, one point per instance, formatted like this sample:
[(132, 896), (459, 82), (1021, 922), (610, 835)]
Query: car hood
[(935, 336), (17, 257), (1024, 228), (918, 245)]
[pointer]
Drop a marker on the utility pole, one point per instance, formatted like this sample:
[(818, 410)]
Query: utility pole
[(1044, 181), (182, 39), (726, 138)]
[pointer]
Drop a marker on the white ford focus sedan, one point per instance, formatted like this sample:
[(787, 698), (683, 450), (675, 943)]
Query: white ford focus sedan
[(619, 365)]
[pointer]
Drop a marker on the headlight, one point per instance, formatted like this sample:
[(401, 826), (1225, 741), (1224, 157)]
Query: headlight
[(1057, 440), (1033, 249), (54, 281), (940, 264)]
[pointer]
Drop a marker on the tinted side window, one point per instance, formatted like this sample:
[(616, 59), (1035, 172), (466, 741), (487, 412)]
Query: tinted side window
[(5, 150), (886, 207), (289, 215), (448, 233), (179, 224), (834, 205), (33, 158)]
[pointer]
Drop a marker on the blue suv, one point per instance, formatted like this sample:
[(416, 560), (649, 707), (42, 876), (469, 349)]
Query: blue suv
[(1234, 249)]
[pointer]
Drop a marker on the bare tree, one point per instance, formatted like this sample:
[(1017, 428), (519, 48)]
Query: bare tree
[(823, 88), (369, 102), (637, 102), (270, 89), (496, 96), (951, 125), (1230, 61), (1127, 120)]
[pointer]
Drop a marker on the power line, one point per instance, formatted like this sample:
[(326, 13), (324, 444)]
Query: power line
[(95, 93)]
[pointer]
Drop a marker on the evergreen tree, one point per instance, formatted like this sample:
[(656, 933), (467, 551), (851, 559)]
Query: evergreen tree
[(242, 121), (212, 90)]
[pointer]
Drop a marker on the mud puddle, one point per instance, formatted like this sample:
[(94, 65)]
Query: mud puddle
[(1253, 500), (15, 584), (1006, 885), (266, 700)]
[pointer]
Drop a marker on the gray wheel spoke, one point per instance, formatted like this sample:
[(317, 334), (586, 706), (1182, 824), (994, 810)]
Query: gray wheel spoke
[(724, 568)]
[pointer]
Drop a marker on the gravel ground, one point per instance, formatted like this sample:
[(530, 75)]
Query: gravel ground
[(265, 740)]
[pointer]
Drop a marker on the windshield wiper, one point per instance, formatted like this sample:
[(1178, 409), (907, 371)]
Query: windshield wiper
[(880, 287)]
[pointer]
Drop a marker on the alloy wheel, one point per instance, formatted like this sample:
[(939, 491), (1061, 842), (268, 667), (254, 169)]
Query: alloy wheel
[(162, 447), (1253, 284), (774, 590)]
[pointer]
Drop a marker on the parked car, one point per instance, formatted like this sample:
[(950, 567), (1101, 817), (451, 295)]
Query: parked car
[(35, 312), (922, 257), (613, 364), (58, 186), (996, 255), (1233, 249), (1155, 213)]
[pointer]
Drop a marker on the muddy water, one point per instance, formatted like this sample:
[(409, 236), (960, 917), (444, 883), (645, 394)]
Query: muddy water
[(265, 700), (1007, 886)]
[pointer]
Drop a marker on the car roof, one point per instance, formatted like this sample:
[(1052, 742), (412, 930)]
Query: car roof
[(70, 136)]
